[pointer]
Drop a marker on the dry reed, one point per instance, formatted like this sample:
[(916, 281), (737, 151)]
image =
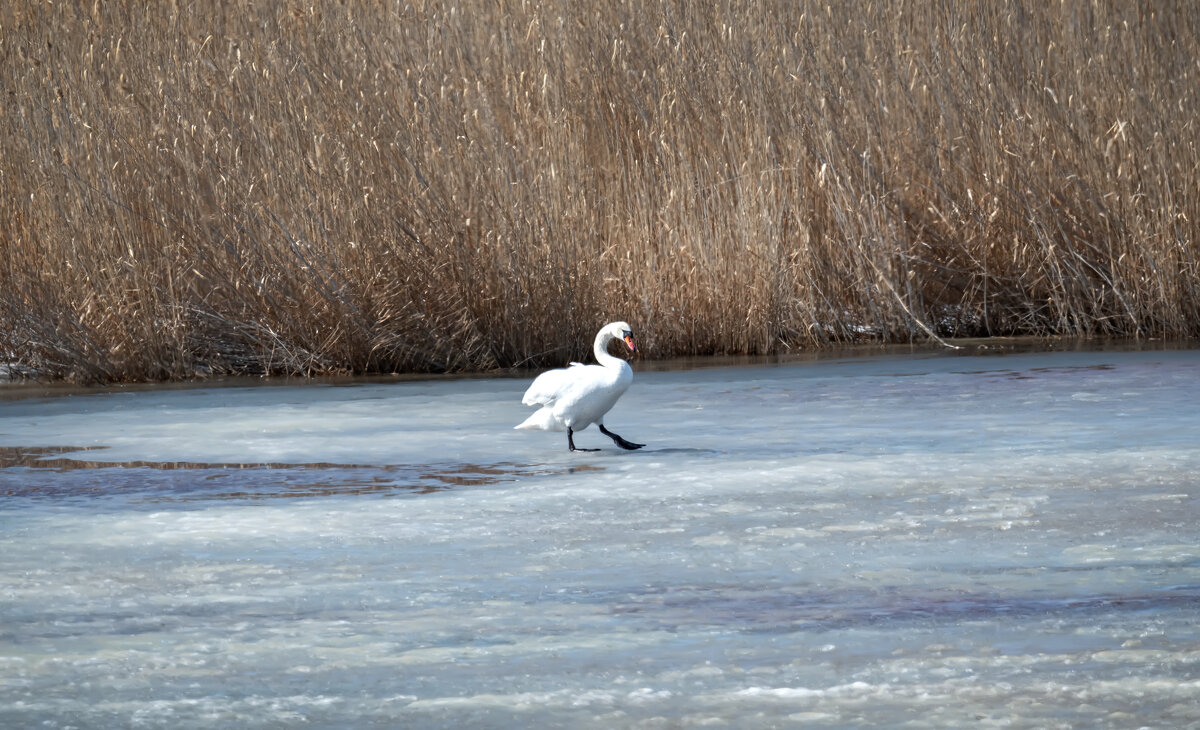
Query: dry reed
[(277, 187)]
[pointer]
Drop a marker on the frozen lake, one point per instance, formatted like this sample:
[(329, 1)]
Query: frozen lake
[(947, 540)]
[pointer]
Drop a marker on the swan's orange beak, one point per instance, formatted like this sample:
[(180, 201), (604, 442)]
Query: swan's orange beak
[(629, 341)]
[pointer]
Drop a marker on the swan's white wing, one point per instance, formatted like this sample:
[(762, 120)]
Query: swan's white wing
[(579, 396), (549, 386), (560, 393)]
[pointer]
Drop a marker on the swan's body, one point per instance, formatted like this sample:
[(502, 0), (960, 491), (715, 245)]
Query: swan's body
[(575, 397)]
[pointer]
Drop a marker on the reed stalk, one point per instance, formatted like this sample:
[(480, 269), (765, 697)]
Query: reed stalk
[(274, 187)]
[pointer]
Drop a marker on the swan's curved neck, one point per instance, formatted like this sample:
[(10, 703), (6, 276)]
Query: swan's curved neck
[(600, 349)]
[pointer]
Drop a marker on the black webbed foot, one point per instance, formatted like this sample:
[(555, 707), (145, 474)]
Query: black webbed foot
[(619, 441)]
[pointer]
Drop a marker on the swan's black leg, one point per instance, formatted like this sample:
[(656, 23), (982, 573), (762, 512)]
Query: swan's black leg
[(571, 441), (618, 440)]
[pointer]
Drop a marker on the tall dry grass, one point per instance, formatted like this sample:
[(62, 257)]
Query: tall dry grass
[(309, 188)]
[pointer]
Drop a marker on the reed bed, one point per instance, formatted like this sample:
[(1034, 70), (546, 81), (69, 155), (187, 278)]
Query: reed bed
[(294, 188)]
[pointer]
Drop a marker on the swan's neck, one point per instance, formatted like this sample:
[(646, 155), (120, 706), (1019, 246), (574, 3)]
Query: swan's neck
[(600, 349)]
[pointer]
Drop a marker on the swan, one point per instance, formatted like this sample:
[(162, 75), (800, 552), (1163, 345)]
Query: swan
[(577, 396)]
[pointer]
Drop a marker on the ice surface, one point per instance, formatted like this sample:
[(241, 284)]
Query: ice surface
[(937, 541)]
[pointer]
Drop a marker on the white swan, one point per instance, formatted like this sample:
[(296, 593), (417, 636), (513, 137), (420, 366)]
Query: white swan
[(575, 397)]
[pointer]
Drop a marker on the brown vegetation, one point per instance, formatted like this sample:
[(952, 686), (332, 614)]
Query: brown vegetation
[(307, 188)]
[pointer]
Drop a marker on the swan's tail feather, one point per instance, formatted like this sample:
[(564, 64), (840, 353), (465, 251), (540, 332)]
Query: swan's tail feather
[(541, 420)]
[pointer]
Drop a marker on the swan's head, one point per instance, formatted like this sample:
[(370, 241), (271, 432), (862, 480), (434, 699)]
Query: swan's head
[(621, 331)]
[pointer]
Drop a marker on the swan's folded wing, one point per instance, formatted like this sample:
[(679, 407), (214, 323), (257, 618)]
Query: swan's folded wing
[(569, 384), (547, 387)]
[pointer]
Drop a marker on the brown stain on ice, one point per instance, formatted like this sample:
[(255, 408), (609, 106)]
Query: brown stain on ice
[(378, 478)]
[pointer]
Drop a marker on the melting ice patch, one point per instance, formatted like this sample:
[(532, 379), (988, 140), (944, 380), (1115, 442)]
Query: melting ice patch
[(931, 541)]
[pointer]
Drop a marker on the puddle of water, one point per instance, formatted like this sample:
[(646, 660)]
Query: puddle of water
[(141, 481)]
